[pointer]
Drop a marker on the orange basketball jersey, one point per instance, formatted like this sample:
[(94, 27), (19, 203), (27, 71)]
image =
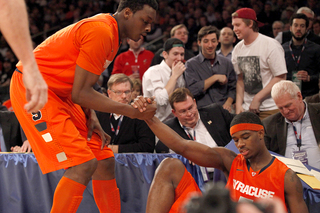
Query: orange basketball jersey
[(244, 183), (91, 43)]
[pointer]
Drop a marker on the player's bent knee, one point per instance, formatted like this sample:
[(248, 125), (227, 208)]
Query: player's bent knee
[(171, 168)]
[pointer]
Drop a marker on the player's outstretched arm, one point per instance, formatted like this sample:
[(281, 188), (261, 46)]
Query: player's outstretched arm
[(200, 154), (294, 193), (15, 28)]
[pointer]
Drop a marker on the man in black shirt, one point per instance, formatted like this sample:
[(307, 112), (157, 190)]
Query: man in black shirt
[(302, 57)]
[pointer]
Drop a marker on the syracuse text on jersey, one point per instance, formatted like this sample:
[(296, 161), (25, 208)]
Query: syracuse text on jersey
[(252, 190)]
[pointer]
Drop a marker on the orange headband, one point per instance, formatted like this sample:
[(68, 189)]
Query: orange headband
[(245, 126)]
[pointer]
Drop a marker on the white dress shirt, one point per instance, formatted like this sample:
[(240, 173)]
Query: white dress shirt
[(201, 135), (153, 83)]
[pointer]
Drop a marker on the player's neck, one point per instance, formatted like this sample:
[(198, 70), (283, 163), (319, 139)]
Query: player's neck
[(262, 159), (119, 17)]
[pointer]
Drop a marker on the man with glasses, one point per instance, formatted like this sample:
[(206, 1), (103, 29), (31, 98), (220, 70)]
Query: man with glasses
[(209, 125), (127, 135)]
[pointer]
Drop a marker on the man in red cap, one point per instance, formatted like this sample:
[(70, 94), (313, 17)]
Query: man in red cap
[(259, 63)]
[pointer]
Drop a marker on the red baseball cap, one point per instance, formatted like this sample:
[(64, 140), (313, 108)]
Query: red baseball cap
[(248, 13)]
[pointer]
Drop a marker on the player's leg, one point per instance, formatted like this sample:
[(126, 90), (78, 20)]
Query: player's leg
[(105, 190), (168, 186), (57, 144), (68, 194)]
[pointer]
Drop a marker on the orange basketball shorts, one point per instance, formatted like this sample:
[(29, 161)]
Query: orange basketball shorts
[(58, 132), (186, 187)]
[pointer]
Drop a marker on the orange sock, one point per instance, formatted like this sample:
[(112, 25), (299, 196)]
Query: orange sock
[(68, 196), (107, 196)]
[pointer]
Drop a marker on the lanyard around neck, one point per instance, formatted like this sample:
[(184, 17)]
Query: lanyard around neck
[(116, 131), (298, 137), (297, 61)]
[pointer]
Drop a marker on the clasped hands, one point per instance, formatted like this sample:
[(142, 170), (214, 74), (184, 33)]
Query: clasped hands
[(146, 107)]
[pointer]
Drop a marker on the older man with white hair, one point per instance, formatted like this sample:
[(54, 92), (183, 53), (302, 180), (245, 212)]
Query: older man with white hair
[(295, 131)]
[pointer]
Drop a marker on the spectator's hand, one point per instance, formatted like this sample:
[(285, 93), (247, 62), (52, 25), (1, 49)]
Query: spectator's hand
[(147, 107), (36, 89), (227, 106), (114, 148), (239, 109), (222, 79), (177, 69), (94, 126), (303, 76), (24, 148), (254, 106)]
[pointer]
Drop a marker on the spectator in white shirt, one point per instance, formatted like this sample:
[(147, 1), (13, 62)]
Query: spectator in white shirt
[(162, 79)]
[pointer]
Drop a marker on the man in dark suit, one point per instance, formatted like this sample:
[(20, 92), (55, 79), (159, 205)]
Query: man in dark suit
[(286, 36), (294, 132), (127, 135), (209, 125), (11, 137)]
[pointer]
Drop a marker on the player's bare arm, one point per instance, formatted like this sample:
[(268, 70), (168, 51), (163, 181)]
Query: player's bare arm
[(294, 193), (20, 42), (218, 157), (93, 125)]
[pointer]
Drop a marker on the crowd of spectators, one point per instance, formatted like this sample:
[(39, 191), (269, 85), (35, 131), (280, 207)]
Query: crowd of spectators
[(48, 16)]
